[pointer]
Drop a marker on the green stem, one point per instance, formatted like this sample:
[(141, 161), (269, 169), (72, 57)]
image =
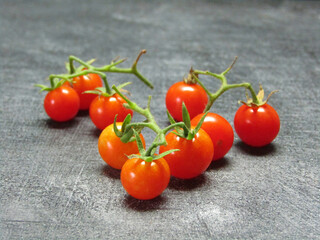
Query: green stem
[(223, 88), (151, 122)]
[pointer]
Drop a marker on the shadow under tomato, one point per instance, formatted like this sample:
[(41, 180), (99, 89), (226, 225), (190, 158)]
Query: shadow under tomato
[(256, 151), (110, 172), (187, 184), (61, 125), (96, 132), (83, 113), (219, 164), (144, 205)]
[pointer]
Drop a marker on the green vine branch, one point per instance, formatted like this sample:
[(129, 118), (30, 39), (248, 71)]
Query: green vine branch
[(56, 80), (225, 86), (150, 123)]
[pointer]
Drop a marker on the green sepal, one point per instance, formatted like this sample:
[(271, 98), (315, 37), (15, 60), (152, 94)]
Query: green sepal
[(115, 128), (134, 156), (125, 122), (155, 157), (121, 86), (179, 134), (97, 92), (170, 118), (186, 116), (126, 137), (197, 128), (67, 65), (43, 87), (80, 68), (139, 143), (55, 84), (172, 121)]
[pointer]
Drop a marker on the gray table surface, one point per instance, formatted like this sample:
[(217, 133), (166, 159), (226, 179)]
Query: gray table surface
[(54, 185)]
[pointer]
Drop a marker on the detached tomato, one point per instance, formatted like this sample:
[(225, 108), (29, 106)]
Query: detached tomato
[(145, 180), (194, 156), (84, 83), (103, 110), (112, 150), (193, 95), (257, 126), (62, 104), (220, 132)]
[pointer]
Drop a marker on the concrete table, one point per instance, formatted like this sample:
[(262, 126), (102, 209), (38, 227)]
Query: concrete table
[(54, 184)]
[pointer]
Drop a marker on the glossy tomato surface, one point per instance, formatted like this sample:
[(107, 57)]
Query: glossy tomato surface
[(112, 150), (257, 126), (220, 132), (84, 83), (193, 95), (193, 158), (103, 110), (145, 180), (62, 104)]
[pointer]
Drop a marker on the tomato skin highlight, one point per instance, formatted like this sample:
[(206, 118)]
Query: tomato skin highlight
[(193, 95), (145, 180), (220, 132), (257, 126), (84, 83), (62, 104), (112, 150), (103, 110), (193, 158)]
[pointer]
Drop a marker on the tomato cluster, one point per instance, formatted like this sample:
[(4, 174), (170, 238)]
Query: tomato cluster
[(199, 136)]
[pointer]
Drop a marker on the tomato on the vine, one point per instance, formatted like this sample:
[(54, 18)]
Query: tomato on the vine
[(112, 150), (62, 103), (145, 180), (194, 157), (220, 132), (193, 95), (257, 126), (84, 83), (103, 110)]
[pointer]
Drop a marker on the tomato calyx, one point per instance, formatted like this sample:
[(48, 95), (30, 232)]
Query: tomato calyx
[(191, 77), (54, 82), (126, 134), (259, 98), (148, 156), (186, 131)]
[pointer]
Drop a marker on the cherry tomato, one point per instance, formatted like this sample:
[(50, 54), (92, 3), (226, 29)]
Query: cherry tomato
[(193, 158), (193, 95), (220, 132), (112, 150), (84, 83), (257, 126), (145, 180), (62, 104), (66, 83), (103, 110)]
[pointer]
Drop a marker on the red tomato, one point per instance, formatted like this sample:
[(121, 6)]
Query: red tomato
[(193, 95), (112, 150), (62, 104), (193, 158), (84, 83), (145, 180), (257, 126), (66, 83), (220, 132), (103, 110)]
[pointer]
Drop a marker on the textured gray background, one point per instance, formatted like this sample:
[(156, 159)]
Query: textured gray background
[(54, 184)]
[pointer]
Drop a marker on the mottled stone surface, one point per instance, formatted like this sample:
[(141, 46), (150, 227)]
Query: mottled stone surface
[(54, 184)]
